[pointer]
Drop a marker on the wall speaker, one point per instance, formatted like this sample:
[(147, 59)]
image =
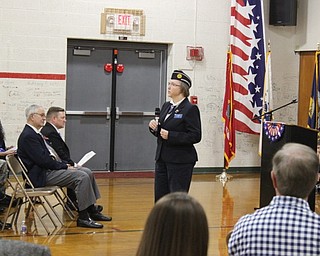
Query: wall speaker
[(283, 12)]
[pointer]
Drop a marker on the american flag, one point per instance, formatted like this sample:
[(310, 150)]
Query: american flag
[(248, 63)]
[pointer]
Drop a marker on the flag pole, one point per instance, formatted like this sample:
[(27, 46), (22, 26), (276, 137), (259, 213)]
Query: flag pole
[(318, 125), (228, 116)]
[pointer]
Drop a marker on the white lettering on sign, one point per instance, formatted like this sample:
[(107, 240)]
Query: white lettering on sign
[(123, 21)]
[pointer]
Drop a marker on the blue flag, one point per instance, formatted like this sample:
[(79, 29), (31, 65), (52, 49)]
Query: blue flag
[(313, 114)]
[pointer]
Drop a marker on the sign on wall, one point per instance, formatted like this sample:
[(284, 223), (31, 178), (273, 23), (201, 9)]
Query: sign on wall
[(122, 21)]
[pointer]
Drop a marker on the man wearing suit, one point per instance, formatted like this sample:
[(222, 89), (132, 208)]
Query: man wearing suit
[(178, 129), (43, 170), (56, 119)]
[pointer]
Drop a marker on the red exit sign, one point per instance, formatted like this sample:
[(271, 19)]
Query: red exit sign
[(123, 21)]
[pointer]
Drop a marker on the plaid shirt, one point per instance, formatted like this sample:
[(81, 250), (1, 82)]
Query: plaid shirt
[(286, 226)]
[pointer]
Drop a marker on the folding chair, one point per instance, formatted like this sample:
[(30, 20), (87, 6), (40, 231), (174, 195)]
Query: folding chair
[(30, 195), (60, 199)]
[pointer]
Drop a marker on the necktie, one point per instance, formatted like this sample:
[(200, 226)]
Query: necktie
[(52, 152), (172, 107)]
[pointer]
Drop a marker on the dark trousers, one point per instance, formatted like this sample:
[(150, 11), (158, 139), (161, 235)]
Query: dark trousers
[(72, 195), (171, 177)]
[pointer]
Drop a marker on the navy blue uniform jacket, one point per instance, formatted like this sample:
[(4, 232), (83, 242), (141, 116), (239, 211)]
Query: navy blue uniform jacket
[(36, 157), (57, 142), (184, 126)]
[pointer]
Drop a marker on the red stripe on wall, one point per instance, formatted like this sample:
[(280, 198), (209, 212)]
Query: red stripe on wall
[(33, 76)]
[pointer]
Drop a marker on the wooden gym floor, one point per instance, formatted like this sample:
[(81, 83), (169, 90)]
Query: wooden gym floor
[(129, 201)]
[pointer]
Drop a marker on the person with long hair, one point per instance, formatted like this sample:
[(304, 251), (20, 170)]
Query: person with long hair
[(176, 226), (4, 172), (3, 149)]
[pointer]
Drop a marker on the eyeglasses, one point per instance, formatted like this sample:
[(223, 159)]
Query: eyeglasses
[(42, 114)]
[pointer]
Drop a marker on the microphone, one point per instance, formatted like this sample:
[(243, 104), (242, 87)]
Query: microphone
[(156, 117), (157, 114)]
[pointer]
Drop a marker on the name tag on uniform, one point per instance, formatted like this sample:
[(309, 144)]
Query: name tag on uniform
[(177, 116)]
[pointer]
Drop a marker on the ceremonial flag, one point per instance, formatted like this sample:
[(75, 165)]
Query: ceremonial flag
[(267, 98), (228, 116), (248, 63), (314, 99)]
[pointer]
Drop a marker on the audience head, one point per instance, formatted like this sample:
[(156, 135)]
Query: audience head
[(35, 116), (56, 116), (295, 170), (177, 226)]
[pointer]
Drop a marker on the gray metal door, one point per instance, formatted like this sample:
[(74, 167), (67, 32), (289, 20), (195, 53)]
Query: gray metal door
[(139, 89)]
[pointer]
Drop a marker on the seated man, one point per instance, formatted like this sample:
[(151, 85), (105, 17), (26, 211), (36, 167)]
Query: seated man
[(56, 119), (45, 171), (286, 226)]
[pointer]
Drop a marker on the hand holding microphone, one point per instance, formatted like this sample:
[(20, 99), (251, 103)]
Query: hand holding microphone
[(156, 117), (154, 123)]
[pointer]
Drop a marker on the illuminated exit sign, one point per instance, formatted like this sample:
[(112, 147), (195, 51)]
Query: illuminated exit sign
[(123, 21)]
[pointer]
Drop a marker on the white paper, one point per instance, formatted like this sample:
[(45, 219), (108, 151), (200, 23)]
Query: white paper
[(86, 158)]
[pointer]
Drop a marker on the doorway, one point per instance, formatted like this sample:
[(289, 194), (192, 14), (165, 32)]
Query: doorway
[(94, 95)]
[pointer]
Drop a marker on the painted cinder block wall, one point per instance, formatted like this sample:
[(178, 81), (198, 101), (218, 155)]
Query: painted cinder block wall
[(33, 39)]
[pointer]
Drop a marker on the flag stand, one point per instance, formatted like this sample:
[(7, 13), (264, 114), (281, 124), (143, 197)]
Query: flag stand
[(223, 177)]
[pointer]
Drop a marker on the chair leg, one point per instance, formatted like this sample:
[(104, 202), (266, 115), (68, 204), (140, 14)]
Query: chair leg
[(64, 206), (6, 216), (54, 211), (14, 214), (17, 212), (40, 218)]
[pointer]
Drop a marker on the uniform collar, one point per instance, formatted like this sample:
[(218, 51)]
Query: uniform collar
[(177, 103)]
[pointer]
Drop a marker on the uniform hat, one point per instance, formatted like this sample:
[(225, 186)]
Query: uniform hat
[(183, 77)]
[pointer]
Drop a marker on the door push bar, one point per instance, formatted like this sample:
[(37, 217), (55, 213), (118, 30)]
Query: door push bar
[(108, 113)]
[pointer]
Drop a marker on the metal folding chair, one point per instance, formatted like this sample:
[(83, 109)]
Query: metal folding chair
[(31, 194)]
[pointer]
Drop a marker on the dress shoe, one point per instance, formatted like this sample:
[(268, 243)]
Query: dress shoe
[(88, 223), (99, 208), (98, 216)]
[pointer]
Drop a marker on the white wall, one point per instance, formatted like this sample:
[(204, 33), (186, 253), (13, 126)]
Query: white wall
[(33, 37)]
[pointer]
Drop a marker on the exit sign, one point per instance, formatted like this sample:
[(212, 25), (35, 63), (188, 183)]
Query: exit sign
[(123, 21)]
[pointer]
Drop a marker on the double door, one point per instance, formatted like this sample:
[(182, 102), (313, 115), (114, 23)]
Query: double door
[(110, 101)]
